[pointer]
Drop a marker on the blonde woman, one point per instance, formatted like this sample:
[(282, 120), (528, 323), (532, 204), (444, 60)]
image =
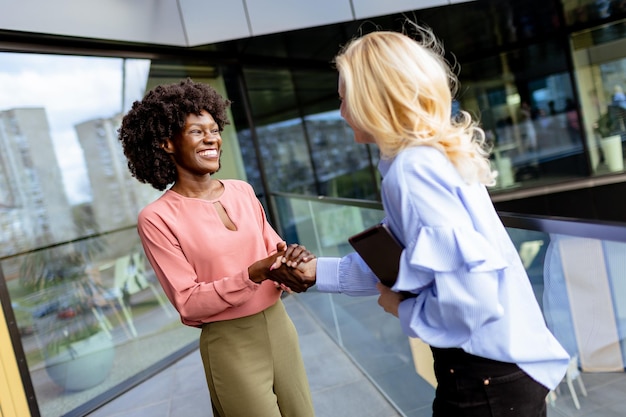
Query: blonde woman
[(472, 300)]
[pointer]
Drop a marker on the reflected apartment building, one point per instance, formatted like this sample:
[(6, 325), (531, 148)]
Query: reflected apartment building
[(36, 212), (109, 177), (34, 208)]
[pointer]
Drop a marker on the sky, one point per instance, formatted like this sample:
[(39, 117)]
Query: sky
[(73, 90)]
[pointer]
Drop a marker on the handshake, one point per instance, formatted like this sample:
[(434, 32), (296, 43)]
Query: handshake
[(293, 267)]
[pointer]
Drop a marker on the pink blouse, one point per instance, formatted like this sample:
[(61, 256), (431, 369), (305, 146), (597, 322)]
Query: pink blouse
[(202, 265)]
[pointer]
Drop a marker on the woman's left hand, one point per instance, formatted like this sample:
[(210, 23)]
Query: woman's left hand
[(389, 300), (283, 287)]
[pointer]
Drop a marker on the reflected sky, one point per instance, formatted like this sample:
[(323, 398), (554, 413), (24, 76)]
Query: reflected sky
[(73, 90)]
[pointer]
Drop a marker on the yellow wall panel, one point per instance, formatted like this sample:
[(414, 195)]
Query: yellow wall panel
[(12, 397)]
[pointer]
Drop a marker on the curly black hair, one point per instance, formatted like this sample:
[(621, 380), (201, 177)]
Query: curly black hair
[(159, 116)]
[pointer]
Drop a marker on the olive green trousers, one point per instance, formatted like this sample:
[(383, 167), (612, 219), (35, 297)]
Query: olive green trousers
[(253, 366)]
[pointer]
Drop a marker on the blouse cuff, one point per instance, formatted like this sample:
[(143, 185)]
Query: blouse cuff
[(326, 278)]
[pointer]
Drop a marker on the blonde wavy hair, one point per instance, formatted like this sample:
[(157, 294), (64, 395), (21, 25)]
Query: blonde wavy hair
[(400, 90)]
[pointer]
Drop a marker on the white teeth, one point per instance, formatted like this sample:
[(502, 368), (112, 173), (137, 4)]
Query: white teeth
[(209, 152)]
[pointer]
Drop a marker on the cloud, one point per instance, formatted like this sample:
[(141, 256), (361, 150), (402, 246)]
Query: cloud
[(72, 89)]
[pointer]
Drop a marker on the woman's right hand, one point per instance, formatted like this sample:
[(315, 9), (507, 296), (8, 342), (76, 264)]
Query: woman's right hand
[(293, 266), (297, 279)]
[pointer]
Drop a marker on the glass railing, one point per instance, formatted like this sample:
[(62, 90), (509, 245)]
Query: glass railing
[(102, 287), (577, 270), (92, 320)]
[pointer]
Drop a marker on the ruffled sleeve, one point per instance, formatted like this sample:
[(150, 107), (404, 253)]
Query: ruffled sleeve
[(448, 249), (445, 249), (456, 273)]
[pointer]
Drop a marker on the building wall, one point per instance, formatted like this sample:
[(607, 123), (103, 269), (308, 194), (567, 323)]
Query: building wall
[(184, 23)]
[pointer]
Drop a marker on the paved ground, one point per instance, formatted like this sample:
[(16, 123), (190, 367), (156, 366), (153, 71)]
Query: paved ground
[(338, 386)]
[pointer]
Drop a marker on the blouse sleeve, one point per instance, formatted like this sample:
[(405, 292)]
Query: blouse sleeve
[(463, 293), (450, 265), (195, 300), (349, 275)]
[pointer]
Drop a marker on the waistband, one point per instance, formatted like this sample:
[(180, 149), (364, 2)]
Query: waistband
[(455, 358)]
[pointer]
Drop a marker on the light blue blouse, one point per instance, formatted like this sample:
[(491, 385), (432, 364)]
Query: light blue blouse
[(473, 291)]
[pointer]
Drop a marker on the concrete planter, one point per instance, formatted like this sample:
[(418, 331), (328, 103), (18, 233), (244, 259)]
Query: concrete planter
[(612, 150), (84, 364)]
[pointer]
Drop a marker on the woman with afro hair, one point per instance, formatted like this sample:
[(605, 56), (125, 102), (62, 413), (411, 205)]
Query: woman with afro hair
[(212, 250)]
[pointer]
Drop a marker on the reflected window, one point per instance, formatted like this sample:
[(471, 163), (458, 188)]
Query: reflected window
[(307, 149), (344, 168), (281, 135), (600, 64), (529, 114), (581, 12)]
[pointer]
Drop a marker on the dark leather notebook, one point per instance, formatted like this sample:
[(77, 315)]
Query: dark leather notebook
[(380, 250)]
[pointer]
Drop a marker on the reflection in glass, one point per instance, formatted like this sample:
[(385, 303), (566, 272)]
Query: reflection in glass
[(343, 167), (61, 155), (91, 315), (285, 157), (280, 132), (600, 67), (79, 301), (581, 12), (529, 115), (34, 211), (579, 283), (308, 150)]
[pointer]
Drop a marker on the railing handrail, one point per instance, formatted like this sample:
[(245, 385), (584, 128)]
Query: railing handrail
[(370, 204), (593, 229), (588, 228), (67, 242)]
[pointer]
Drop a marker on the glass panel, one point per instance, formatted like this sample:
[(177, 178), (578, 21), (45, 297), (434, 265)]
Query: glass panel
[(344, 167), (62, 164), (581, 12), (69, 249), (600, 62), (91, 315), (285, 156), (579, 283), (280, 132), (529, 114), (313, 154), (369, 335), (572, 275)]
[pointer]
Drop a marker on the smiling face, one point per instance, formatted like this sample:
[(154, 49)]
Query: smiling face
[(196, 151)]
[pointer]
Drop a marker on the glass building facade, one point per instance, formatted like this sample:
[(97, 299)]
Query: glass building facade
[(546, 79)]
